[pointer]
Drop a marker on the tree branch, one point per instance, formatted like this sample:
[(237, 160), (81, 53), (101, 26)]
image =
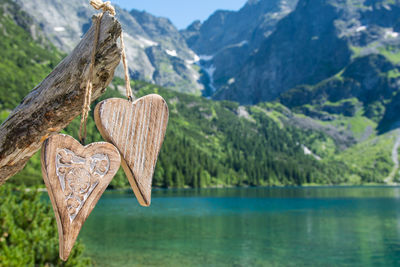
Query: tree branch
[(58, 99)]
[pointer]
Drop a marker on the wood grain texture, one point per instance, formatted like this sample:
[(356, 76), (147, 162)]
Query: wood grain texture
[(137, 129), (58, 99), (75, 177)]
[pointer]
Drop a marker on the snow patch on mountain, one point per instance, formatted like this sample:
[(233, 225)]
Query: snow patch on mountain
[(59, 29), (206, 57), (145, 42), (172, 53), (389, 33), (361, 28)]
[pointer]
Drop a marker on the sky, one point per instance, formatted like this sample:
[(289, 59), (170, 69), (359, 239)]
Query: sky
[(181, 12)]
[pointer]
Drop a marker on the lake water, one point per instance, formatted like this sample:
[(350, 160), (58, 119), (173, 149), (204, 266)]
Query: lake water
[(337, 226)]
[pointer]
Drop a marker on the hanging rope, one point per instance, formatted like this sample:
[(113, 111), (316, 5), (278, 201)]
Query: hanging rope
[(89, 84), (105, 7), (125, 63)]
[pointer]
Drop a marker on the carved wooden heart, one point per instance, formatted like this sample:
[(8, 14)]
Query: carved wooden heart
[(75, 177), (137, 129)]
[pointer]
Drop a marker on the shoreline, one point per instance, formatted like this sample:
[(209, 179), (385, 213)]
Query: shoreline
[(308, 186), (265, 187)]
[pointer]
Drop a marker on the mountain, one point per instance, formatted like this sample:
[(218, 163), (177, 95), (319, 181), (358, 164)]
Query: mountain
[(269, 48), (320, 58), (208, 143), (313, 43), (227, 38), (304, 49), (337, 131), (255, 21), (156, 51)]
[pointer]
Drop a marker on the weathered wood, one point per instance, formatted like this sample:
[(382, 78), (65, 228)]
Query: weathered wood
[(76, 177), (58, 99), (137, 129)]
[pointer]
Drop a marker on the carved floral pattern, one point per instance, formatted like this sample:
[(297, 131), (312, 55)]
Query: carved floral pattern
[(79, 176)]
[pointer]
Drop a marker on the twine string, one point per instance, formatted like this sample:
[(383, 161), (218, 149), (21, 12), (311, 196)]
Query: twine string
[(128, 88), (89, 84), (105, 7)]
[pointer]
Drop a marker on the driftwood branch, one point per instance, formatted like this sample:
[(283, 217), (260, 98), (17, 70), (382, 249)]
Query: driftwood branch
[(58, 99)]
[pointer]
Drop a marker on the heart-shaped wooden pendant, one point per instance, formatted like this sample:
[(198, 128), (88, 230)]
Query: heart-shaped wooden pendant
[(75, 177), (137, 129)]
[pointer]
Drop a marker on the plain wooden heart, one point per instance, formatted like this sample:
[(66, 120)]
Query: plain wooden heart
[(75, 177), (137, 129)]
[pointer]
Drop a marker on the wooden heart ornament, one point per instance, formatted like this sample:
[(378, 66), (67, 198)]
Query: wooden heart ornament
[(75, 177), (137, 129)]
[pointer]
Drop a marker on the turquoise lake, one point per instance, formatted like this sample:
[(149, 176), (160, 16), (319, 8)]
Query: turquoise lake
[(315, 226)]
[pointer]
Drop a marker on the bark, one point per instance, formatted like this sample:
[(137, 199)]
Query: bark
[(58, 99)]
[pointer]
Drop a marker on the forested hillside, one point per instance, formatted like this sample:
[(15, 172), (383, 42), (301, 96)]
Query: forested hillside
[(211, 143), (24, 60)]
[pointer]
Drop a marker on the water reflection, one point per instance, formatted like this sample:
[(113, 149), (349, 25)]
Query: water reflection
[(248, 227)]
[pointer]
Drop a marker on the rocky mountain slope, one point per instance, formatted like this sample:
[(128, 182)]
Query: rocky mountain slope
[(227, 38), (304, 49), (324, 59), (318, 40), (156, 51), (251, 55)]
